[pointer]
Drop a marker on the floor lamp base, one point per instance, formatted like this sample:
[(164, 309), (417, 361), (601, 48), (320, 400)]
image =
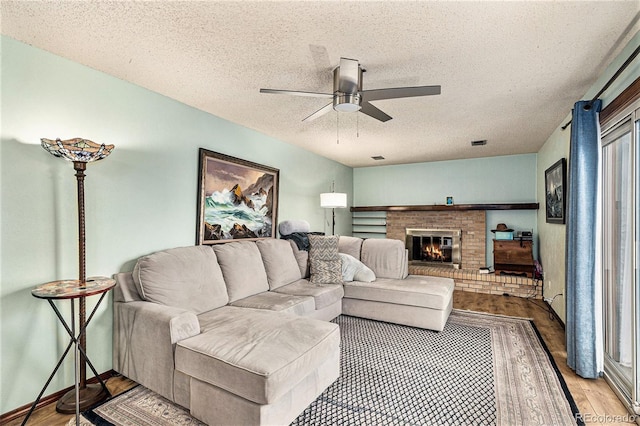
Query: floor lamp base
[(89, 396)]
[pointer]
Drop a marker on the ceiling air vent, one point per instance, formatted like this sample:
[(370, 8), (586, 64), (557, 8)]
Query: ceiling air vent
[(479, 143), (378, 157)]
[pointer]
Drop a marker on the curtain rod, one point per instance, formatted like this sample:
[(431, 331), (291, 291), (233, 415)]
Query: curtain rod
[(611, 80)]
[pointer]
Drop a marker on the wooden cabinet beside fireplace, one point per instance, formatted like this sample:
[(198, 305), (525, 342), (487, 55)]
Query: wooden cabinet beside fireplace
[(513, 257)]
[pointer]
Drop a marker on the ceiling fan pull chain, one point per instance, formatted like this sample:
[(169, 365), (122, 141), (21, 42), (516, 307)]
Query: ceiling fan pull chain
[(338, 129), (357, 124)]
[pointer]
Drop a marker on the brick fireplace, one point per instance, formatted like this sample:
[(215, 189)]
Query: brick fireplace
[(470, 222)]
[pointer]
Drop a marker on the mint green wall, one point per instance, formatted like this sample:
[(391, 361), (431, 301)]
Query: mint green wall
[(140, 199), (552, 236), (507, 179)]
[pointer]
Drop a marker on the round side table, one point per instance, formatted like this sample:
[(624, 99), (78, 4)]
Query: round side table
[(82, 396)]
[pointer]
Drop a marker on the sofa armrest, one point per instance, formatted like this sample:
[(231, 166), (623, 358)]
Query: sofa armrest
[(144, 338), (125, 289)]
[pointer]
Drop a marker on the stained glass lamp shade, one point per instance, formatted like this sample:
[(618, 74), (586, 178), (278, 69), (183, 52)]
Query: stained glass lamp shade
[(78, 149)]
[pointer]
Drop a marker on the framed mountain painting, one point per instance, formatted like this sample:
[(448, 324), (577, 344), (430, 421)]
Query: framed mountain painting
[(237, 199), (555, 184)]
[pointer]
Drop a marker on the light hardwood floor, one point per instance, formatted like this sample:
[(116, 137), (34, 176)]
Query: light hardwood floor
[(596, 401)]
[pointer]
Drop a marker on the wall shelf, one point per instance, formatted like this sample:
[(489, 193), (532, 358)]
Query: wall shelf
[(444, 207), (369, 225)]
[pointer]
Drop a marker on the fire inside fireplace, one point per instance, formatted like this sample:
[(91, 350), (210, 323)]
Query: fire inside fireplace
[(434, 246)]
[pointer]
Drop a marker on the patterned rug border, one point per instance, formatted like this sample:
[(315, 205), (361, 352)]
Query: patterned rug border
[(487, 314), (91, 417), (95, 419), (563, 384), (552, 361)]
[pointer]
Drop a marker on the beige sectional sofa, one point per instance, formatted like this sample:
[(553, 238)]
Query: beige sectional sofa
[(236, 332)]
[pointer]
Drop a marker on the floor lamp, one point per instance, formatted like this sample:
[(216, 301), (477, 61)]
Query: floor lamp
[(80, 152), (333, 200)]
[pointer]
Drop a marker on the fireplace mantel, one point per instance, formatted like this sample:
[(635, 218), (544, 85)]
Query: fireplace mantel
[(444, 207)]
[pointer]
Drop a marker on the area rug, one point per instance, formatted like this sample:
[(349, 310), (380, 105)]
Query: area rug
[(482, 370)]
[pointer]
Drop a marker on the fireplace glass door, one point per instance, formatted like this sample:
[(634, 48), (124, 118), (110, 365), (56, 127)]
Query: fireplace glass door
[(434, 249), (434, 246)]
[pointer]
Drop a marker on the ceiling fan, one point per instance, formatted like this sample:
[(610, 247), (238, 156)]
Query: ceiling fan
[(348, 95)]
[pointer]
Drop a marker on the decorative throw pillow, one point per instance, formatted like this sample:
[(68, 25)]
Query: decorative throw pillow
[(324, 260), (354, 270)]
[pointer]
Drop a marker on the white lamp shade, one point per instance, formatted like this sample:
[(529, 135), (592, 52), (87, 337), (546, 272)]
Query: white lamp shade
[(333, 200)]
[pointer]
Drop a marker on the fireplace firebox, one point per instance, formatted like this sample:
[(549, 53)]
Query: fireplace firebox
[(439, 247)]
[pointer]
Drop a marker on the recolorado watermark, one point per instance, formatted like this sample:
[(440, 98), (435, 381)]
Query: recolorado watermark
[(606, 418)]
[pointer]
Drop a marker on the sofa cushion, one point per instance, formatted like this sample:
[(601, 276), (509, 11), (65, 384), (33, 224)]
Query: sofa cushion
[(324, 261), (183, 277), (279, 262), (323, 294), (354, 270), (242, 269), (415, 290), (285, 303), (302, 258), (257, 354), (350, 245), (387, 258)]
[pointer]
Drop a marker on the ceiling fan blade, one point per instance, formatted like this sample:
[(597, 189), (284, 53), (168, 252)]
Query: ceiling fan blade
[(374, 112), (399, 92), (349, 73), (322, 111), (297, 93), (320, 57)]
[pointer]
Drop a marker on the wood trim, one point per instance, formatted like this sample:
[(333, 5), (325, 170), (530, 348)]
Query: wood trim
[(48, 399), (624, 99), (444, 207)]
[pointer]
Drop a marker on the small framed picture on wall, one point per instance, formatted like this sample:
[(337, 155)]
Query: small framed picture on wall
[(555, 184)]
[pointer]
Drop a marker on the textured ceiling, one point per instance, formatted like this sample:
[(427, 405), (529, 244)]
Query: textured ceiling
[(510, 71)]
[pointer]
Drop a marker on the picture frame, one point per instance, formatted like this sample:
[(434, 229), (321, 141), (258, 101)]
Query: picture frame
[(237, 199), (555, 185), (449, 200)]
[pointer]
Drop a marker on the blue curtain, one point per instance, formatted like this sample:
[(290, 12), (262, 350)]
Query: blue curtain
[(581, 216)]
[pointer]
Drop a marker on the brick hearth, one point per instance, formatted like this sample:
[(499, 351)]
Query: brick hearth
[(473, 281)]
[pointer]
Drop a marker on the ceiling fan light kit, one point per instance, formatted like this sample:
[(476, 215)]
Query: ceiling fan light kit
[(345, 102), (348, 95), (347, 85)]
